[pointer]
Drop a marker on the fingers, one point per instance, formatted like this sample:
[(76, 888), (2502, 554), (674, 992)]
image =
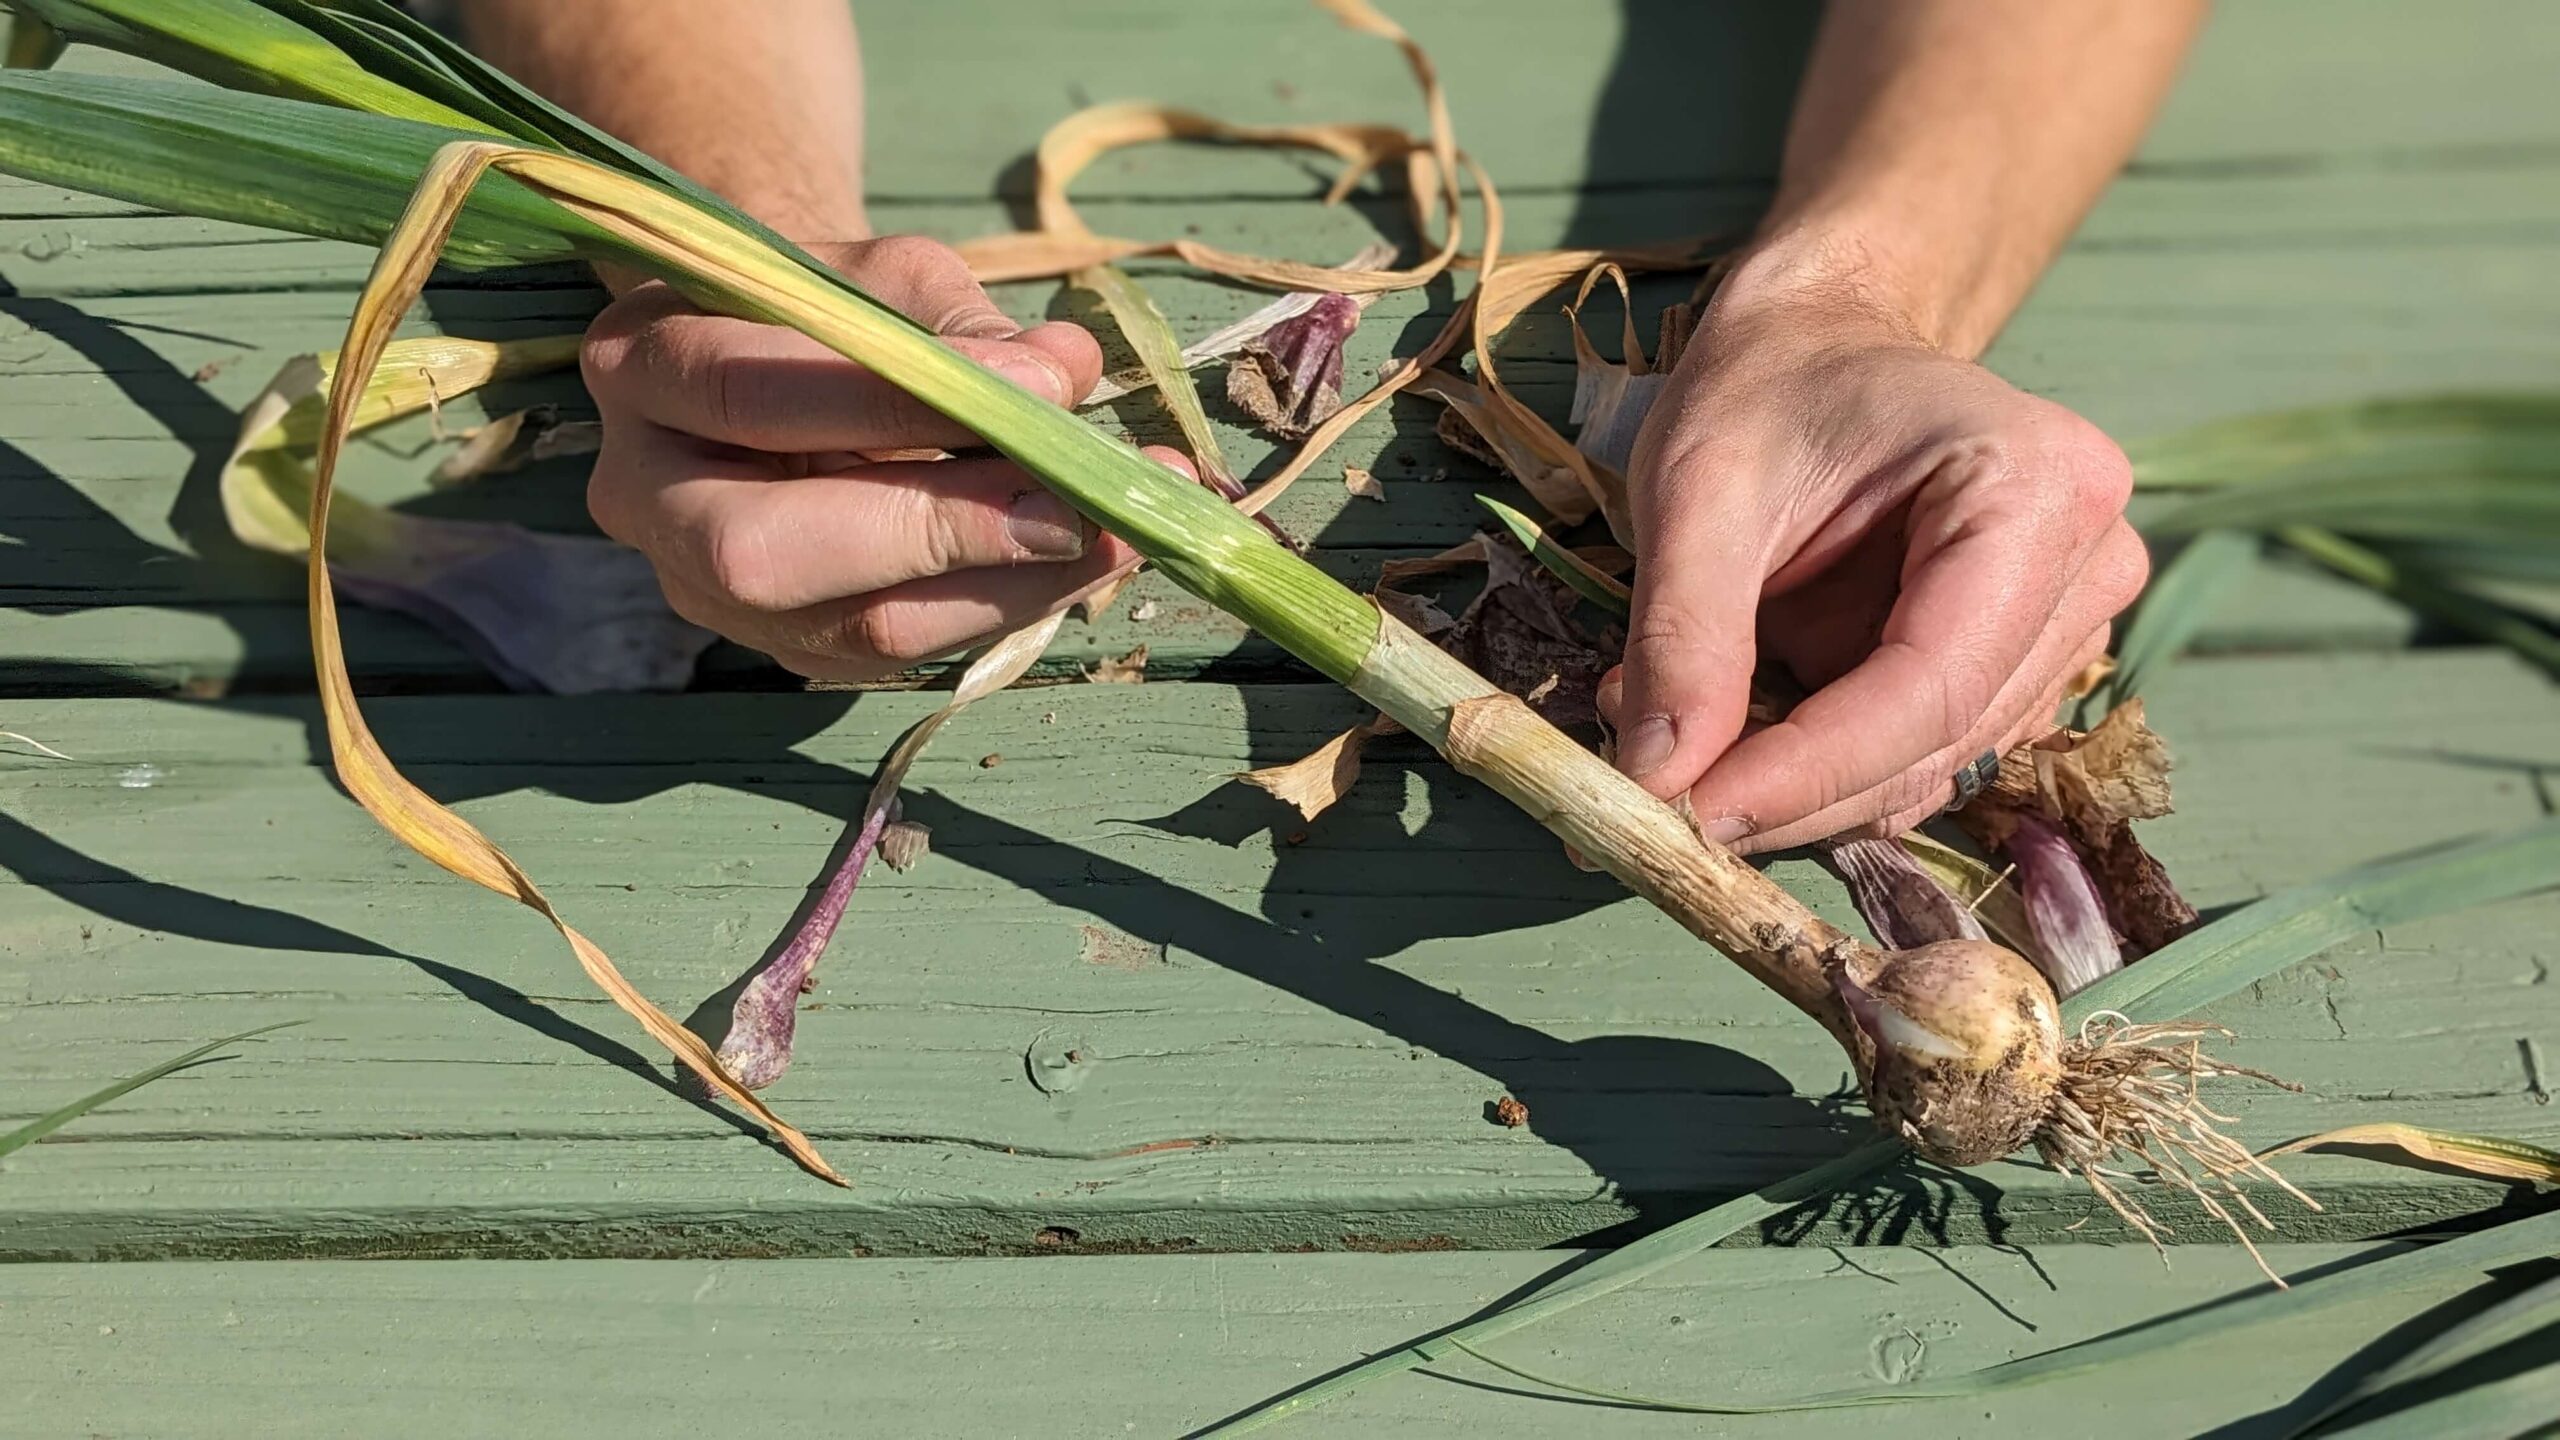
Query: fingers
[(859, 575), (1685, 687), (1967, 646), (652, 356), (871, 636), (1923, 791), (770, 546)]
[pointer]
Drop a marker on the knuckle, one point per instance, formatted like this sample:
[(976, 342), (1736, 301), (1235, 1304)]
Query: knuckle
[(729, 397), (943, 536), (890, 632), (915, 263), (613, 498), (2096, 477), (737, 558)]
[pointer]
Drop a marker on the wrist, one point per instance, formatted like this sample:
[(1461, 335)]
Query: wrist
[(1850, 275)]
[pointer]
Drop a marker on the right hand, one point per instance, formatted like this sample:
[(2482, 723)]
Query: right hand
[(735, 459)]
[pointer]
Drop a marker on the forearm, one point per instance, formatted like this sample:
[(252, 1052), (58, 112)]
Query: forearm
[(768, 113), (1942, 151)]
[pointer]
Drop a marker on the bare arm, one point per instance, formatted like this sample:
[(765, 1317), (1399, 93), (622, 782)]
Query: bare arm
[(1953, 145), (761, 101), (1831, 483)]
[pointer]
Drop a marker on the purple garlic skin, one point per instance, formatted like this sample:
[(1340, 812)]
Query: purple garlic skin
[(1899, 899), (1966, 1045), (1290, 379), (2064, 908)]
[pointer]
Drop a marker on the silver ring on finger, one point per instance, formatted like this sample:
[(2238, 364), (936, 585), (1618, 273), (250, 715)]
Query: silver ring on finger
[(1973, 779)]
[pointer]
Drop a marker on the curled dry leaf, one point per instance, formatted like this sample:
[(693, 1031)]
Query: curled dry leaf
[(1362, 484), (1316, 781), (1568, 483), (1064, 243), (1611, 401), (1129, 669), (2091, 676), (765, 1017), (433, 831), (569, 614)]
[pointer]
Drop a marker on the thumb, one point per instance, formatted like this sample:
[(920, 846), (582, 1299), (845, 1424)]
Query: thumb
[(1686, 687)]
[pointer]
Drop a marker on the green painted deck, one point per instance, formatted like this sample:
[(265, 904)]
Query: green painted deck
[(1290, 1045)]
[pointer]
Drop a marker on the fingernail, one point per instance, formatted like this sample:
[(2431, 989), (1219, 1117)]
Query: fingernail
[(1042, 525), (1035, 375), (1648, 746), (1726, 832)]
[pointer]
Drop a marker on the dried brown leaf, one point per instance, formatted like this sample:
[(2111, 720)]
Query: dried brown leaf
[(1418, 614), (1063, 242), (2091, 676), (1363, 484), (1314, 782), (1465, 555), (1129, 669)]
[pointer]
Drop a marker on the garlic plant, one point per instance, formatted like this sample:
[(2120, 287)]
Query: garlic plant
[(339, 110)]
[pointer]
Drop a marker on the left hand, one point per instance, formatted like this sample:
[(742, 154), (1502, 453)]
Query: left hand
[(1932, 553)]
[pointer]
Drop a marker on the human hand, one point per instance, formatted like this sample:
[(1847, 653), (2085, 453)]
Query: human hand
[(1933, 554), (735, 458)]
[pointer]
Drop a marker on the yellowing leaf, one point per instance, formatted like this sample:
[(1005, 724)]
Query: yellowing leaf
[(2479, 1154), (427, 827)]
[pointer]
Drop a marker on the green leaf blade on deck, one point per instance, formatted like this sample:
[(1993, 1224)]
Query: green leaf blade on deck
[(2417, 437), (52, 1120), (2265, 937)]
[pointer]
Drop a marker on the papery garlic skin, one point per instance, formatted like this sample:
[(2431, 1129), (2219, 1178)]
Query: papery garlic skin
[(1966, 1043)]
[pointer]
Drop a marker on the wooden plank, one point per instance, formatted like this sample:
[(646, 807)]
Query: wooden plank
[(1289, 1043), (2187, 300), (1649, 93), (1108, 1345), (1656, 91)]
